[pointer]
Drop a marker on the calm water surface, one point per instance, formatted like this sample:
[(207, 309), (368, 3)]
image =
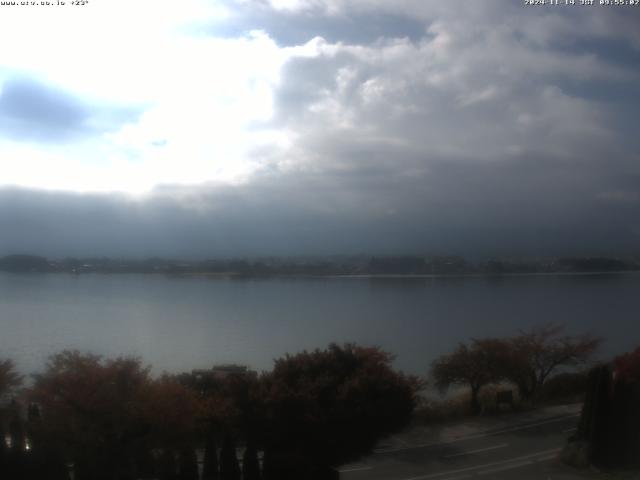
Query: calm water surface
[(179, 323)]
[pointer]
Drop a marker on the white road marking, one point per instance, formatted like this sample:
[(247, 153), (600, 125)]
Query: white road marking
[(505, 467), (546, 458), (479, 435), (471, 452), (354, 469), (546, 454), (511, 466)]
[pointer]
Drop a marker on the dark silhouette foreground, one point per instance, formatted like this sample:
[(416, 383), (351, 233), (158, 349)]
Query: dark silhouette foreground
[(109, 419), (608, 434)]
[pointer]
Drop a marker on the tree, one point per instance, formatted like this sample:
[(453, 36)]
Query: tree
[(476, 365), (4, 454), (229, 466), (167, 468), (17, 432), (250, 463), (95, 410), (187, 464), (328, 407), (210, 470), (627, 366), (229, 398), (24, 263), (9, 381), (541, 351), (230, 404), (9, 378), (170, 411), (107, 414)]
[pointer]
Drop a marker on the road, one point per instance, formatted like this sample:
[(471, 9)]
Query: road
[(523, 451)]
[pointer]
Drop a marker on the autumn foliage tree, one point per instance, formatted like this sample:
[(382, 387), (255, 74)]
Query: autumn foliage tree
[(93, 409), (9, 378), (627, 366), (9, 381), (537, 353), (526, 360), (171, 413), (474, 365), (10, 423), (230, 400), (331, 406), (102, 412)]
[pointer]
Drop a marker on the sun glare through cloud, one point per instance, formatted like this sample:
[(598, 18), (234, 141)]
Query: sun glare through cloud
[(164, 102), (403, 123), (269, 239)]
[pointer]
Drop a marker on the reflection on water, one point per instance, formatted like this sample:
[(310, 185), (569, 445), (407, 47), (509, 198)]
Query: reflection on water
[(178, 323)]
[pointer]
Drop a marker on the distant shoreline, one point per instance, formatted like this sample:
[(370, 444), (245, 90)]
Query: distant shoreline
[(336, 266), (239, 275)]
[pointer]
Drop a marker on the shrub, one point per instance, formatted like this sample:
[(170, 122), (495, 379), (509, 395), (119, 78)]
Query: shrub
[(565, 387)]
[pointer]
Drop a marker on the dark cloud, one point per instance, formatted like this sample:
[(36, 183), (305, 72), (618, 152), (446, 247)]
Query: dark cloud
[(506, 134), (536, 206), (414, 126), (293, 28), (32, 110)]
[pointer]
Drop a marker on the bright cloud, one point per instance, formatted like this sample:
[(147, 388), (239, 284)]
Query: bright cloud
[(299, 118), (202, 98)]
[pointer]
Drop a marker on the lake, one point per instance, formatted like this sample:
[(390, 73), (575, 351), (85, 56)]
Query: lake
[(180, 323)]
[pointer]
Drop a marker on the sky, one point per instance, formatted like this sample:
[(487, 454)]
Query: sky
[(212, 128)]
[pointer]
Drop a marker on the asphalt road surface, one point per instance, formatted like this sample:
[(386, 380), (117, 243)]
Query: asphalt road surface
[(522, 452)]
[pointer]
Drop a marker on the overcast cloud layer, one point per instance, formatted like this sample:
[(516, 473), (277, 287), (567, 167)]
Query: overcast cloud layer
[(256, 127)]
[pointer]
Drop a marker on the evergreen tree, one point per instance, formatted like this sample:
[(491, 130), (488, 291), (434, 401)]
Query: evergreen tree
[(187, 464), (145, 463), (167, 466), (250, 463), (210, 465), (229, 466), (3, 454), (17, 434)]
